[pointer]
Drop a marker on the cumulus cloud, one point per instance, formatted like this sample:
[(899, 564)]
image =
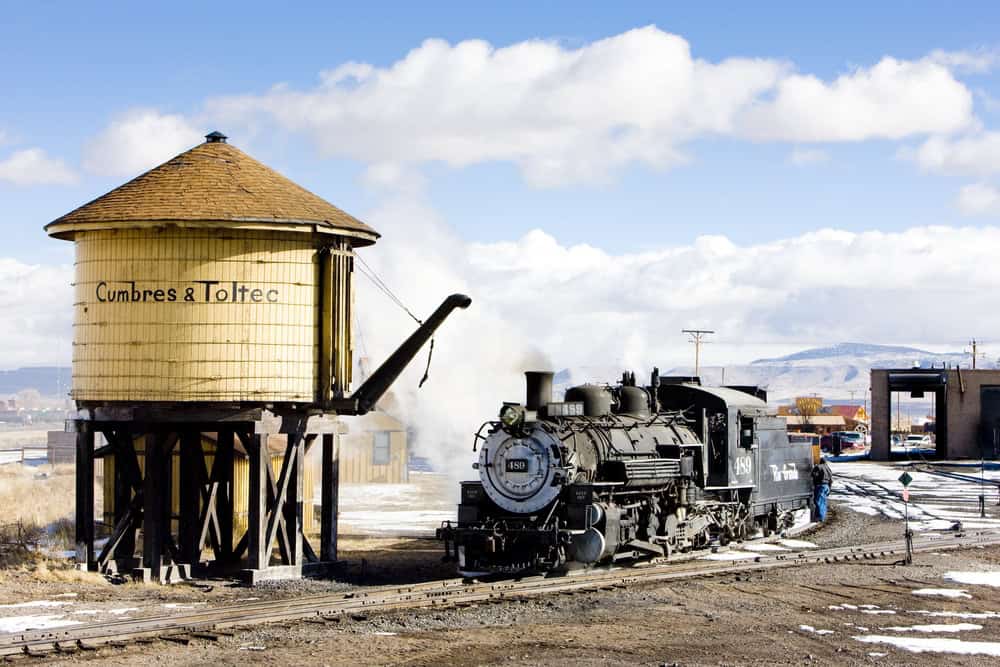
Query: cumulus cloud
[(37, 303), (801, 157), (823, 286), (33, 166), (976, 61), (976, 154), (139, 140), (886, 101), (576, 115), (979, 199)]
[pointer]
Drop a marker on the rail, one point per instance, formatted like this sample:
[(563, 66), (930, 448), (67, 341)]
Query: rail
[(210, 624)]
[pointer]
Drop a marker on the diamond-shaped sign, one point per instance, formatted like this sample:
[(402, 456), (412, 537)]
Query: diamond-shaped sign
[(905, 479)]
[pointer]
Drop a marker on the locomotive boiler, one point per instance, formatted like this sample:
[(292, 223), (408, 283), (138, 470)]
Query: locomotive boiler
[(624, 472)]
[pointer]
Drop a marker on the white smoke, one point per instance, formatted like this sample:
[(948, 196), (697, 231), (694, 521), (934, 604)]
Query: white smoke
[(479, 356)]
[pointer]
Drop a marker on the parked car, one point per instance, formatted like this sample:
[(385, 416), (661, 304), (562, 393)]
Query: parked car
[(918, 440), (851, 438)]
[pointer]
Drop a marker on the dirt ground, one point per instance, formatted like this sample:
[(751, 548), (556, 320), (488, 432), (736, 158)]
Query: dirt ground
[(777, 617)]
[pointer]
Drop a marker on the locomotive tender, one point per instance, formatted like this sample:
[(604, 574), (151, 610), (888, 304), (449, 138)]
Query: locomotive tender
[(624, 472)]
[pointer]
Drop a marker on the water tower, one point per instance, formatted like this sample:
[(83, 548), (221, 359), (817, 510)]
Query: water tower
[(211, 348)]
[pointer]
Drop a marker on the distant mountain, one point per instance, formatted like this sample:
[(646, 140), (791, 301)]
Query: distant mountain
[(833, 372), (48, 380), (854, 350)]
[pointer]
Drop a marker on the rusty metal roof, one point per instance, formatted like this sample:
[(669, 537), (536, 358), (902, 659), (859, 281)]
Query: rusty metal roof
[(213, 184)]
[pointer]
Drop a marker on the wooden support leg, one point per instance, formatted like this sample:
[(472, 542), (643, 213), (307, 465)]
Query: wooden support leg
[(156, 496), (258, 547), (224, 496), (330, 479), (192, 467), (85, 497), (125, 483), (293, 501)]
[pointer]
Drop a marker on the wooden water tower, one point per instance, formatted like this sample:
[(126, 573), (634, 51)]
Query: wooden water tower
[(213, 306)]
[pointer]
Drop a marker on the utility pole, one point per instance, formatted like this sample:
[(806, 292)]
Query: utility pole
[(974, 345), (697, 335)]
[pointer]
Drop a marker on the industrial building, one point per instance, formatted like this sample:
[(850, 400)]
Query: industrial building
[(966, 405)]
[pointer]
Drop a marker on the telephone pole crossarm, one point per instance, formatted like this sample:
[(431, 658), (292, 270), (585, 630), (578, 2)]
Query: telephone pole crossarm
[(696, 337)]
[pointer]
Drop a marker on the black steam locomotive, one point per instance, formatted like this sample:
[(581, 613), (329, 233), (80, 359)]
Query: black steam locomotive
[(624, 472)]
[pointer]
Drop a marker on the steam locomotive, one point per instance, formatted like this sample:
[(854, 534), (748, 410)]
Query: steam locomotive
[(624, 472)]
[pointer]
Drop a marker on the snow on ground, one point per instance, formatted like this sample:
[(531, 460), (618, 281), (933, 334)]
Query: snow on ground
[(936, 502), (957, 614), (974, 578), (22, 623), (763, 547), (730, 555), (415, 509), (809, 628), (944, 592), (935, 627), (934, 644), (34, 603), (797, 544)]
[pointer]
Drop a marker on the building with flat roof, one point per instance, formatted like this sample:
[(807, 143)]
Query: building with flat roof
[(966, 405)]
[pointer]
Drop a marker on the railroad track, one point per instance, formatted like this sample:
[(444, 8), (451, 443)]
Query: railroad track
[(213, 623)]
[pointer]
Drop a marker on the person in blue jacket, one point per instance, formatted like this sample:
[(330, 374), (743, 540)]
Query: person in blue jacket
[(822, 478)]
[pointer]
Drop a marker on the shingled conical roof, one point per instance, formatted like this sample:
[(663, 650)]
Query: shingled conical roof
[(213, 185)]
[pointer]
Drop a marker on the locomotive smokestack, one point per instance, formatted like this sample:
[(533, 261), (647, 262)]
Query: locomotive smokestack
[(539, 389)]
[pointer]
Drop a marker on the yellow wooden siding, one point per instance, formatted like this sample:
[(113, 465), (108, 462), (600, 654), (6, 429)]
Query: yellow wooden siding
[(356, 466), (196, 350)]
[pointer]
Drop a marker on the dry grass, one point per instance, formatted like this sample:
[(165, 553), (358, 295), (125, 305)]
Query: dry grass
[(39, 495), (63, 573)]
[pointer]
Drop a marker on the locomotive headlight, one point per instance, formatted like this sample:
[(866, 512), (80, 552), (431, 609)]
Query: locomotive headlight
[(511, 416)]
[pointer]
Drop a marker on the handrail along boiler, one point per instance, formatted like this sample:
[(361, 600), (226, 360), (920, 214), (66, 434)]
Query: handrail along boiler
[(624, 472)]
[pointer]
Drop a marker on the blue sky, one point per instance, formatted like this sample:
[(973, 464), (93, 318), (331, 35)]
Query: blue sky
[(70, 69), (877, 120)]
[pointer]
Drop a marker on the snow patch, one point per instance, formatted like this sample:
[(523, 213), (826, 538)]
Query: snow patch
[(34, 603), (938, 627), (22, 623), (974, 578), (122, 610), (943, 592), (809, 628), (797, 544), (934, 645), (730, 555), (178, 605), (958, 614), (763, 547)]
